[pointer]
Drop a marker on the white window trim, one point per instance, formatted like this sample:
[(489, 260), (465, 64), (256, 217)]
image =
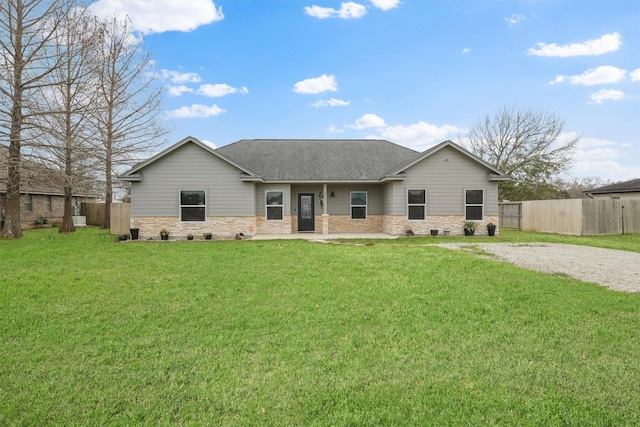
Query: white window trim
[(366, 206), (465, 205), (267, 206), (180, 205), (418, 204)]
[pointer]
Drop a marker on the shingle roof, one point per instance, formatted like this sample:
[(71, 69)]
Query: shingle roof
[(318, 159), (620, 187), (36, 178)]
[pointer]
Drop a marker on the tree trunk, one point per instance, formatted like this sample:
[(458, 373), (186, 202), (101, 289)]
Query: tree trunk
[(12, 211), (106, 219), (12, 214), (67, 220)]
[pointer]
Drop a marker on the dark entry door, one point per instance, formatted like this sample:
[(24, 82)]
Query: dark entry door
[(306, 214)]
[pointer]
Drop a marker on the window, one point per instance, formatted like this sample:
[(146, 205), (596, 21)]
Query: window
[(473, 204), (192, 205), (358, 205), (28, 203), (275, 205), (416, 204), (47, 203)]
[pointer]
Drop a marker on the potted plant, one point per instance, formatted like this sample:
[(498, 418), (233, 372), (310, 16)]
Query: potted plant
[(189, 236), (469, 228), (164, 234), (208, 236), (491, 229)]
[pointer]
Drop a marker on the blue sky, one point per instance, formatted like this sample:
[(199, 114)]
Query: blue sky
[(414, 72)]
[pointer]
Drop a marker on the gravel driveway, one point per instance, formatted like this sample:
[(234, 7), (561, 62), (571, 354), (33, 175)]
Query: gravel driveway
[(618, 270)]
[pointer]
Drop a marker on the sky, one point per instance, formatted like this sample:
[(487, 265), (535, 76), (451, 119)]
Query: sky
[(413, 72)]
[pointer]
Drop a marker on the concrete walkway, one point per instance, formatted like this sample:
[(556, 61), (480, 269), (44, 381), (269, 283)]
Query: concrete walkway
[(323, 237)]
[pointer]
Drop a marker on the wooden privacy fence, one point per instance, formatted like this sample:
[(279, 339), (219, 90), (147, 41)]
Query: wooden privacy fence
[(120, 213), (579, 217), (94, 212)]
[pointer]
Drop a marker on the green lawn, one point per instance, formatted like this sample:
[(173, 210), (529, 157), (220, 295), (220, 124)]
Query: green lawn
[(94, 332)]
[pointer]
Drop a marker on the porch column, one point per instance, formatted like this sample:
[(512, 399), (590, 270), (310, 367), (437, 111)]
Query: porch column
[(325, 215)]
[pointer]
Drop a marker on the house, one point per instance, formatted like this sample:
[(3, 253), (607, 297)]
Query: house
[(42, 200), (284, 186), (621, 190)]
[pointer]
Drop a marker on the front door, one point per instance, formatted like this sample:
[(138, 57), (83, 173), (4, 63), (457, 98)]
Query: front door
[(306, 214)]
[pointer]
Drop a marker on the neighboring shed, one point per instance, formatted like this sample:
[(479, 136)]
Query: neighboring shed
[(621, 190)]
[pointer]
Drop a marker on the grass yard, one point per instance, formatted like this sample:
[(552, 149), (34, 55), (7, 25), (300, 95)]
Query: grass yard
[(279, 333)]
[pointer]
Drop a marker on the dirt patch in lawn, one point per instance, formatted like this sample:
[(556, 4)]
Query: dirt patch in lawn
[(618, 270)]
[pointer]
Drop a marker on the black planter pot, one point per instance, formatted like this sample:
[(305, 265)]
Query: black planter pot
[(434, 232), (491, 229), (207, 236), (135, 233), (469, 232), (164, 237)]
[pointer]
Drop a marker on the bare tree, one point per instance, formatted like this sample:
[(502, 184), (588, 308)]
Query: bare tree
[(66, 141), (526, 144), (576, 187), (26, 29), (129, 104)]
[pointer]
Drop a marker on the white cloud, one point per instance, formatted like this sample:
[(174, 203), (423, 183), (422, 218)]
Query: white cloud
[(606, 43), (588, 143), (602, 75), (178, 90), (635, 75), (385, 4), (195, 111), (316, 85), (333, 102), (606, 94), (348, 10), (421, 135), (209, 143), (369, 121), (600, 157), (178, 76), (417, 136), (515, 19), (333, 129), (219, 90), (158, 16), (465, 50)]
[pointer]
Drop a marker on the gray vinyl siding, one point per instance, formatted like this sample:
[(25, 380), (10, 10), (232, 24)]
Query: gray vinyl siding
[(445, 175), (191, 168), (261, 197), (340, 204)]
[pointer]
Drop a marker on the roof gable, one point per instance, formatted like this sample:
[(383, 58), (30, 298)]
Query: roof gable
[(133, 174), (494, 174)]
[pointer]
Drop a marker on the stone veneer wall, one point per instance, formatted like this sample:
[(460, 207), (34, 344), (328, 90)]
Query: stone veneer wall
[(220, 227), (344, 224), (228, 227), (399, 224), (274, 227)]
